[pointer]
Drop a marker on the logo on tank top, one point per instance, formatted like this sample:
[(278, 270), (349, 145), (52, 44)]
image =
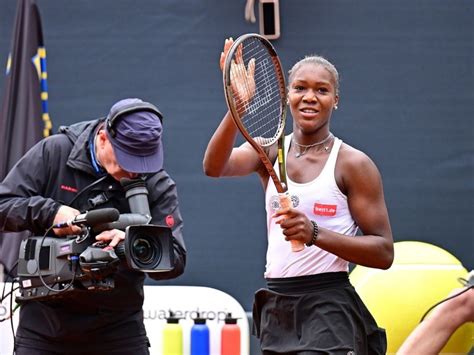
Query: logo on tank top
[(275, 202), (321, 209)]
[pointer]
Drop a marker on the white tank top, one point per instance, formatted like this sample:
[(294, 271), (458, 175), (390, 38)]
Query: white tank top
[(322, 201)]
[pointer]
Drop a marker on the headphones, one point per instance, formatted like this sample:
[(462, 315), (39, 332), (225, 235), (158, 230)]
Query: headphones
[(115, 114)]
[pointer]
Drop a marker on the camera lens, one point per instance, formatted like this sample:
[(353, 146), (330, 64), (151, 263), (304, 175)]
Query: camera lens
[(143, 251), (148, 248)]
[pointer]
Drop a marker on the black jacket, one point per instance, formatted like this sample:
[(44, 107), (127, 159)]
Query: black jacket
[(58, 171)]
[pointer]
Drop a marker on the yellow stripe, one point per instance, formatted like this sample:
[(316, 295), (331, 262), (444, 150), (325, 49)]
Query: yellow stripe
[(36, 62), (44, 75), (42, 52), (47, 125), (9, 63), (44, 95), (47, 121)]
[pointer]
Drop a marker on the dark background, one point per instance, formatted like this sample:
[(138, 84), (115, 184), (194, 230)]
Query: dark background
[(407, 94)]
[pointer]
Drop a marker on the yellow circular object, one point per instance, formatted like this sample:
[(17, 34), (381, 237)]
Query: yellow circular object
[(421, 275)]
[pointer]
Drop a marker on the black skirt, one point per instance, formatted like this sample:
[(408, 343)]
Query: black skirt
[(320, 313)]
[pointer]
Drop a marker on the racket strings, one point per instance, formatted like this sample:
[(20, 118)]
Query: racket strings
[(262, 116)]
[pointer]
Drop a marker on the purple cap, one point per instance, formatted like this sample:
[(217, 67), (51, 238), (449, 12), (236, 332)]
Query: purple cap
[(134, 129)]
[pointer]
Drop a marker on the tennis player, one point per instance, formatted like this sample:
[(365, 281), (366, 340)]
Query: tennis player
[(338, 211)]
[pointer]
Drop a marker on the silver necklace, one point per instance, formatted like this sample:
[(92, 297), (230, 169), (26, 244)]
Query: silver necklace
[(305, 148)]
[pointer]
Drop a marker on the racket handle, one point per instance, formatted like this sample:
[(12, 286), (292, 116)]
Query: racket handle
[(285, 202), (296, 245)]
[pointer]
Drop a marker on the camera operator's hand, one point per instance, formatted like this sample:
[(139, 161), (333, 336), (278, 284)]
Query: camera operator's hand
[(66, 213), (112, 237)]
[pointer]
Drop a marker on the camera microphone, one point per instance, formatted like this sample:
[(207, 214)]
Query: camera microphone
[(92, 218)]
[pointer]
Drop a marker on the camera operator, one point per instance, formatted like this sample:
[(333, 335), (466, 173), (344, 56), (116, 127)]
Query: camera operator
[(79, 169)]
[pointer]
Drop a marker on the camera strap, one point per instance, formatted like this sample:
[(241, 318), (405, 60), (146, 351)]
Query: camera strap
[(78, 201)]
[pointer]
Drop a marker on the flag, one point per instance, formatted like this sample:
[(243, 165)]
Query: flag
[(24, 118)]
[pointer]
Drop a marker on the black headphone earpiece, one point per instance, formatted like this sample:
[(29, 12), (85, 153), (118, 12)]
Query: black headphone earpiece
[(114, 115)]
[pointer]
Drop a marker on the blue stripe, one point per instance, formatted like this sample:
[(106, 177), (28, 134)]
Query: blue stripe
[(44, 106), (44, 85)]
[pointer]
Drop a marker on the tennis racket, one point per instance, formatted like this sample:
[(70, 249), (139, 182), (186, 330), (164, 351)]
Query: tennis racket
[(255, 90)]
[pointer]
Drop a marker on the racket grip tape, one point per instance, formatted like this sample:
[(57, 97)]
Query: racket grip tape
[(285, 202)]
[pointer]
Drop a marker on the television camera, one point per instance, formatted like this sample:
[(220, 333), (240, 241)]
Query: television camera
[(51, 267)]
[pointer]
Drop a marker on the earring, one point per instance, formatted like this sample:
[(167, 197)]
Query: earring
[(335, 107)]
